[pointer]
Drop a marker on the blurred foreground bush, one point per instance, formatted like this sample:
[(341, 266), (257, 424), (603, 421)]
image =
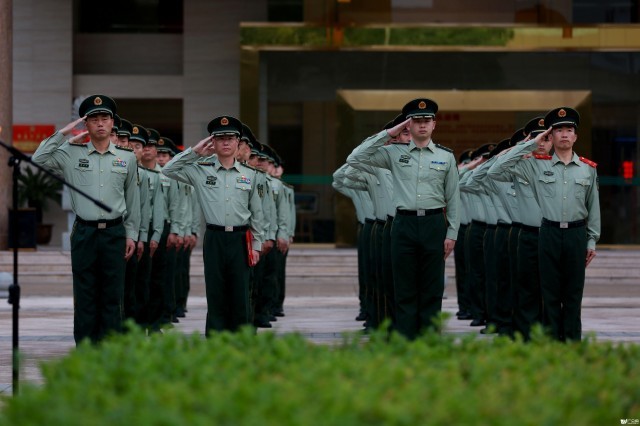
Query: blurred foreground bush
[(174, 379)]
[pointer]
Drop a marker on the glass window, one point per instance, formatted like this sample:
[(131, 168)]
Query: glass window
[(129, 16)]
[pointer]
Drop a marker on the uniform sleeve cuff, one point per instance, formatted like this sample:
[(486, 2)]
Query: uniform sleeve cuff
[(452, 234), (591, 244)]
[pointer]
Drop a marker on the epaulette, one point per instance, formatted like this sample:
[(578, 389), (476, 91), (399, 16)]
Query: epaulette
[(124, 148), (542, 157), (589, 162), (288, 185), (205, 163), (77, 144), (444, 147)]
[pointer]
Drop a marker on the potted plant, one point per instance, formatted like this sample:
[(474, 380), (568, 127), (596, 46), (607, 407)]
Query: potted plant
[(36, 188)]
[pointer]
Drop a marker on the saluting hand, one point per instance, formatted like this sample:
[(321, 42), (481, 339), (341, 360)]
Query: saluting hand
[(69, 127), (130, 248), (395, 131), (590, 255), (79, 137), (205, 147)]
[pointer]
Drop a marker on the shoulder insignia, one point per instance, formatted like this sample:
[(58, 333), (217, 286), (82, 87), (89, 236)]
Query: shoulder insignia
[(444, 147), (205, 163), (589, 162), (124, 148), (251, 167), (77, 144), (542, 157)]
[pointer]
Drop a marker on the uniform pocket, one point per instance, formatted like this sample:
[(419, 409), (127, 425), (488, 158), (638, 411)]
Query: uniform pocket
[(525, 188), (547, 186), (437, 171), (83, 176), (582, 185)]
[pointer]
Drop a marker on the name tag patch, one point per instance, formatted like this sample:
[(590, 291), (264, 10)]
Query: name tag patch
[(548, 173)]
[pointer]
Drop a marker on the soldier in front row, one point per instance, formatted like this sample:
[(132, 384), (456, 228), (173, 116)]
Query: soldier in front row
[(101, 241), (231, 206)]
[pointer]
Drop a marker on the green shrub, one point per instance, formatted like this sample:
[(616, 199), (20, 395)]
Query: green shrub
[(266, 379)]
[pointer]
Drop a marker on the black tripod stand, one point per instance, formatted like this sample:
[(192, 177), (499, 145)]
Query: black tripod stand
[(16, 157)]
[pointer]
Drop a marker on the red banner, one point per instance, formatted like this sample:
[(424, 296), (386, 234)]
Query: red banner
[(27, 137)]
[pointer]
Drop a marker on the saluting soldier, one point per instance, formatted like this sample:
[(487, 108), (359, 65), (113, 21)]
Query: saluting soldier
[(231, 207), (527, 309), (101, 241), (425, 183), (364, 209), (566, 187)]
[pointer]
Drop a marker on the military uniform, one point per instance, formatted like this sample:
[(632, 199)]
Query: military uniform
[(98, 237), (231, 206), (462, 287), (568, 198), (425, 182), (364, 209)]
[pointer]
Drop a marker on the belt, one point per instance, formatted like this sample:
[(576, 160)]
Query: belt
[(516, 224), (370, 221), (489, 226), (227, 228), (100, 224), (419, 212), (477, 222), (463, 225), (389, 218), (504, 225), (380, 221), (534, 229), (564, 225)]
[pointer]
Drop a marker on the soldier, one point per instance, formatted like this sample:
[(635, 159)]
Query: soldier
[(289, 193), (364, 209), (124, 132), (474, 244), (377, 181), (425, 183), (231, 207), (566, 188), (462, 287), (101, 241), (527, 309)]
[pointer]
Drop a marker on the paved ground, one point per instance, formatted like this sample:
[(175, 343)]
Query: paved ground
[(46, 325)]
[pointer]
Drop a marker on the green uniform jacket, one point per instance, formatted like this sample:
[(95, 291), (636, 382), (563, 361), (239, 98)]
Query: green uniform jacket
[(424, 178), (111, 177), (228, 197), (565, 193)]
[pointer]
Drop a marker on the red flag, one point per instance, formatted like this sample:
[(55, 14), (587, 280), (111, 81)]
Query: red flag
[(250, 259)]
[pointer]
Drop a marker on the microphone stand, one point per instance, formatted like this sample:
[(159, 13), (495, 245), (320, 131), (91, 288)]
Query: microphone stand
[(16, 157)]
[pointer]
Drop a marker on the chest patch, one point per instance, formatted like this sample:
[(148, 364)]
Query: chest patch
[(243, 179), (548, 173), (211, 180), (119, 163), (404, 159)]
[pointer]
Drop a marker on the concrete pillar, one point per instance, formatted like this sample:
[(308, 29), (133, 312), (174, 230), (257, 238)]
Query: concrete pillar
[(6, 112)]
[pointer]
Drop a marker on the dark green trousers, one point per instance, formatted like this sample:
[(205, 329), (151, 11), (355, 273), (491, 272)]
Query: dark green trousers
[(461, 270), (269, 287), (375, 284), (143, 279), (528, 309), (474, 251), (98, 266), (281, 290), (226, 275), (490, 286), (131, 277), (361, 281), (562, 271), (504, 294), (366, 267), (417, 252), (182, 293), (256, 281), (387, 271), (162, 270)]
